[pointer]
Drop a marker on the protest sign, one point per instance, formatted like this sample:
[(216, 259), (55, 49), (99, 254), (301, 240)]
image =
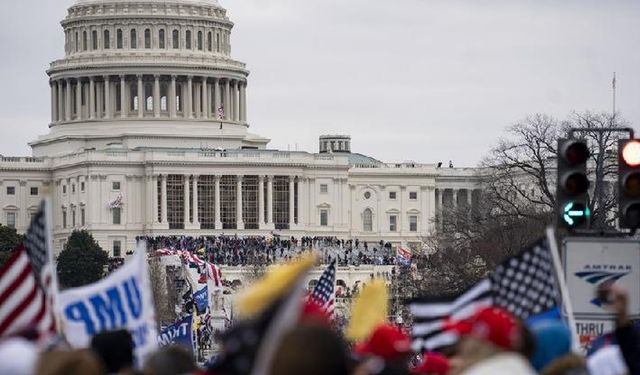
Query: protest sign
[(122, 300), (178, 333), (200, 298)]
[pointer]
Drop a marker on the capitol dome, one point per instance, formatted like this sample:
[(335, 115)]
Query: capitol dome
[(145, 73)]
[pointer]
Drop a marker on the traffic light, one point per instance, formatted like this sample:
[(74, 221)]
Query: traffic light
[(572, 196), (629, 183)]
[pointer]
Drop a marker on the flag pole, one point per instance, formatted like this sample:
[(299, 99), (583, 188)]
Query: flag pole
[(564, 291), (614, 93), (55, 289)]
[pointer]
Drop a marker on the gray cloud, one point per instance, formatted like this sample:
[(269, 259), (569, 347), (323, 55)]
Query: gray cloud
[(425, 80)]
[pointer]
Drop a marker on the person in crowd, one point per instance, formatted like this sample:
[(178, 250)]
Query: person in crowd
[(171, 360), (76, 362), (432, 364), (490, 344), (115, 349), (616, 299)]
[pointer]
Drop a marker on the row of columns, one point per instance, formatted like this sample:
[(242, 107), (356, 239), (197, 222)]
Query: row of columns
[(193, 220), (201, 98), (454, 204)]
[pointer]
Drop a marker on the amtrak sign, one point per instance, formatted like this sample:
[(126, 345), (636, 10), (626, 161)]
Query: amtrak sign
[(591, 262)]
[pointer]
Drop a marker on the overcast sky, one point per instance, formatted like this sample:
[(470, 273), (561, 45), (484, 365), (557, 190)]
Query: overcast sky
[(422, 80)]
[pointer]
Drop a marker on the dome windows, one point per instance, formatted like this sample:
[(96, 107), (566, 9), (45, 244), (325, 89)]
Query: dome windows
[(188, 39), (94, 40), (199, 40), (176, 39), (84, 40), (209, 42), (107, 40), (119, 39), (147, 38), (133, 43), (161, 44)]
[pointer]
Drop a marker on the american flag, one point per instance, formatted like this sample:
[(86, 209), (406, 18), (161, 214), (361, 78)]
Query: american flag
[(324, 293), (525, 285), (27, 281), (214, 274)]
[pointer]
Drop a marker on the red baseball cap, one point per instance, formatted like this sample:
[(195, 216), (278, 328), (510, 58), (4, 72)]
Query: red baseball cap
[(433, 363), (492, 324), (387, 342)]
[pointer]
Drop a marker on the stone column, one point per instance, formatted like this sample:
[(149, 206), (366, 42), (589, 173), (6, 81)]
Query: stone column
[(236, 101), (218, 222), (156, 95), (60, 101), (189, 101), (92, 98), (469, 202), (123, 96), (270, 200), (205, 98), (292, 182), (54, 101), (67, 101), (154, 199), (141, 98), (454, 199), (107, 97), (163, 199), (194, 203), (441, 208), (216, 98), (243, 102), (78, 99), (260, 202), (302, 202), (227, 104), (172, 98), (187, 221), (239, 218)]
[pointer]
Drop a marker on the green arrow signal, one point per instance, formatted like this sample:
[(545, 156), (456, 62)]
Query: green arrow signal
[(575, 211)]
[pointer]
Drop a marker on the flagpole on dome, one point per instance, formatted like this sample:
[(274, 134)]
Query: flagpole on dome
[(564, 291)]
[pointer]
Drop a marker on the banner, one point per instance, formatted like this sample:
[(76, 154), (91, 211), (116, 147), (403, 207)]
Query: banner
[(122, 300), (178, 333), (200, 298)]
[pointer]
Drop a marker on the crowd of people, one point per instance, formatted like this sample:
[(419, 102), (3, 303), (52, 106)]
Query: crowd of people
[(491, 341), (249, 250)]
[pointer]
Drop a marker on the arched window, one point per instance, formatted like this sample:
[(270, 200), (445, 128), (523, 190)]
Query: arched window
[(161, 39), (77, 41), (176, 39), (107, 40), (148, 90), (217, 42), (119, 39), (188, 39), (199, 40), (133, 43), (94, 40), (84, 40), (209, 42), (147, 38), (367, 220)]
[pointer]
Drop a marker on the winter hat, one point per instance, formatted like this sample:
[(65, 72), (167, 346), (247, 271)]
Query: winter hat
[(553, 340), (433, 363), (491, 324), (387, 342)]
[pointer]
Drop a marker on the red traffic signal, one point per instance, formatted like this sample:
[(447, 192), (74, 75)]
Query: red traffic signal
[(631, 153)]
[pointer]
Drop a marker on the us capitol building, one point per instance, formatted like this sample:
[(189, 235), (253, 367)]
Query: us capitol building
[(149, 135)]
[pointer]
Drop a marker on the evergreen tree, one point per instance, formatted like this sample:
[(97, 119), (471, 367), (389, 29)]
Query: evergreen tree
[(9, 240), (82, 261)]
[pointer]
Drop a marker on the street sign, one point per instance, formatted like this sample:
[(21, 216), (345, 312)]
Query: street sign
[(589, 262)]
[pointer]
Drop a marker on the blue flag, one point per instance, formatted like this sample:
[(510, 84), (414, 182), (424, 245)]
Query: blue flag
[(179, 333), (201, 299)]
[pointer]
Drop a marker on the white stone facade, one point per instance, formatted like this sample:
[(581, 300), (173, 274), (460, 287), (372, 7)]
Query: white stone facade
[(149, 136)]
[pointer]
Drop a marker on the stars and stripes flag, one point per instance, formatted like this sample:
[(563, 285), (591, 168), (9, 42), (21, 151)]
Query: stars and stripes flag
[(525, 285), (214, 275), (403, 256), (28, 282), (324, 293)]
